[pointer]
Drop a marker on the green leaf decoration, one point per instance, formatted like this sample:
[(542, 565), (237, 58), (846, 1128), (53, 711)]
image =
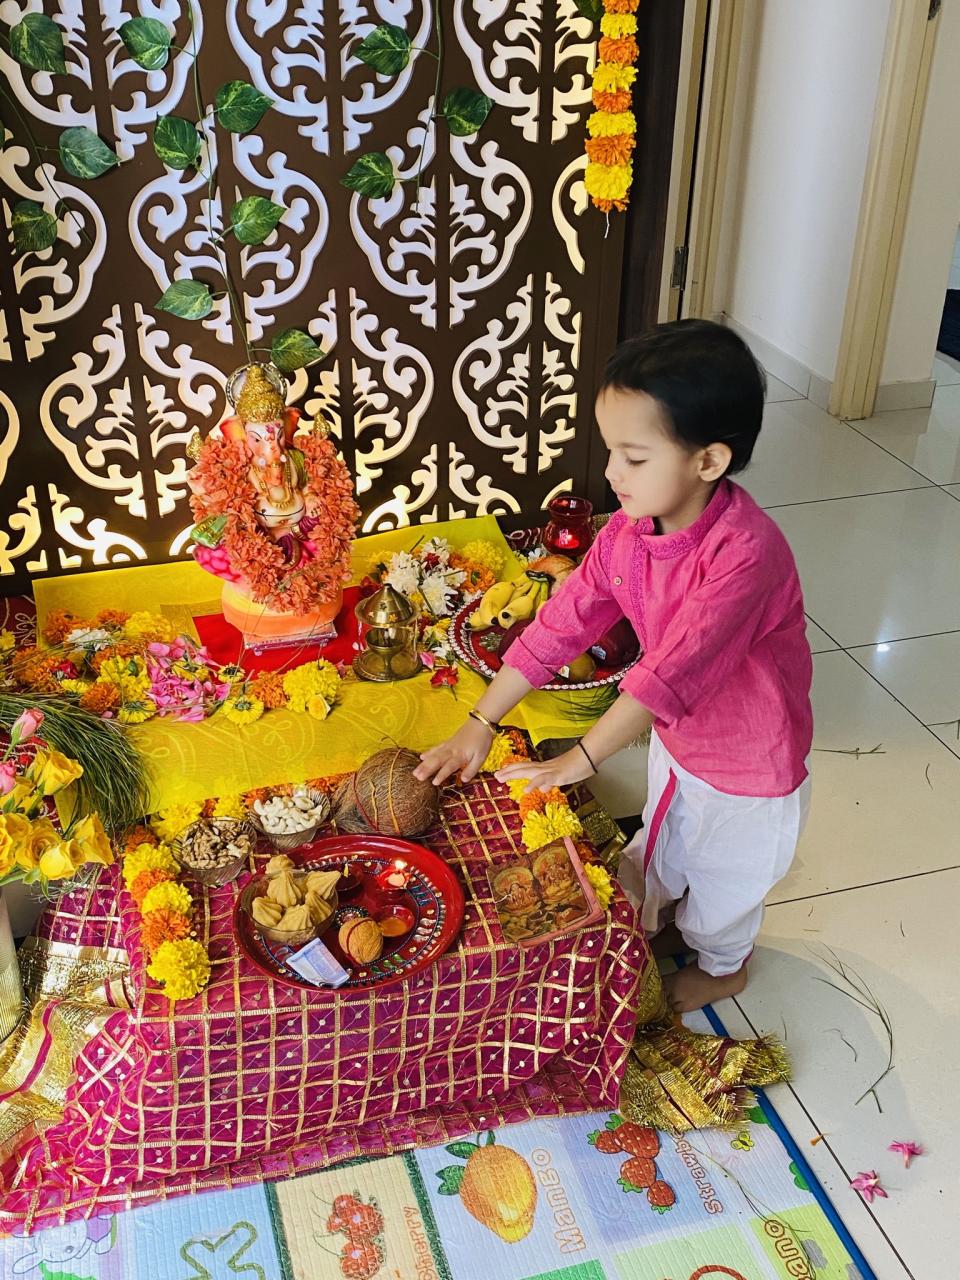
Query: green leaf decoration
[(592, 10), (209, 532), (176, 141), (84, 155), (293, 349), (465, 111), (387, 49), (188, 299), (798, 1179), (462, 1150), (33, 228), (451, 1179), (299, 465), (626, 1186), (254, 217), (37, 42), (372, 176), (147, 42), (615, 1121), (241, 107)]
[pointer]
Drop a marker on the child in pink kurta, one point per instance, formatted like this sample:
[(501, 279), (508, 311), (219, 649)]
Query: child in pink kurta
[(710, 586)]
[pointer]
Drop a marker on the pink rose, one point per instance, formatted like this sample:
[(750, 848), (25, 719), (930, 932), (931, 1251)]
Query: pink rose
[(8, 777), (26, 725)]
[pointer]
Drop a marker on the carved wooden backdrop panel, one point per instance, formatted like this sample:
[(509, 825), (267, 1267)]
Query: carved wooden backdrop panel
[(464, 329)]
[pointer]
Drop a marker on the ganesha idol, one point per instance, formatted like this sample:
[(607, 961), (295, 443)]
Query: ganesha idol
[(275, 515)]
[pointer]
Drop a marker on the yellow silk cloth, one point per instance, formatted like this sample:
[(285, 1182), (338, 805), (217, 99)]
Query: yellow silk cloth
[(194, 761)]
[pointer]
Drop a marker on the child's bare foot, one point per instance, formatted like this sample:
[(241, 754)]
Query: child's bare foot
[(690, 988), (668, 942)]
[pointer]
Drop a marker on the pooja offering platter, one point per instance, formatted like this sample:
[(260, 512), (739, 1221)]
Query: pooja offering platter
[(481, 648), (428, 908)]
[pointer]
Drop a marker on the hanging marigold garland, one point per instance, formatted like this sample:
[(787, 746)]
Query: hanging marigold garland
[(613, 126)]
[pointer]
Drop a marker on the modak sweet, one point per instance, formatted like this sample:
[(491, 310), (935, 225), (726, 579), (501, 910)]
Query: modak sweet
[(323, 883), (283, 889), (278, 864), (296, 919), (266, 913), (320, 908)]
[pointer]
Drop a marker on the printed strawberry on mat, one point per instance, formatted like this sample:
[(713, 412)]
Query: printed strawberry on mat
[(637, 1173), (360, 1260), (624, 1135), (661, 1196)]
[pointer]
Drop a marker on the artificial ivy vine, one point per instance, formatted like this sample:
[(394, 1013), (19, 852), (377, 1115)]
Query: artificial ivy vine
[(389, 51)]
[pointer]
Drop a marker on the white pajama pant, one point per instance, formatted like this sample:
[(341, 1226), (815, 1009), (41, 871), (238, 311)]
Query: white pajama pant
[(715, 855)]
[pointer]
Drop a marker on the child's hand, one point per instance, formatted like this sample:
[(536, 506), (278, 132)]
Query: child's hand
[(571, 767), (464, 753)]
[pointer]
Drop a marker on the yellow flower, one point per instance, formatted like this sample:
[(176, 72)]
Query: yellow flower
[(7, 643), (170, 823), (484, 554), (61, 860), (618, 25), (243, 708), (556, 820), (15, 832), (183, 967), (518, 788), (604, 124), (136, 711), (229, 807), (149, 627), (318, 707), (148, 857), (169, 895), (611, 78), (500, 748), (599, 877), (75, 686), (308, 680), (52, 771), (24, 797), (232, 673), (608, 181), (43, 836), (126, 673), (93, 840)]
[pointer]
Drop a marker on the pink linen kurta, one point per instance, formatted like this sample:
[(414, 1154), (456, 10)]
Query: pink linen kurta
[(718, 610)]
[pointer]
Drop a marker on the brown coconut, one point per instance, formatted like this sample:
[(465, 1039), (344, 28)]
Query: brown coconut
[(384, 797)]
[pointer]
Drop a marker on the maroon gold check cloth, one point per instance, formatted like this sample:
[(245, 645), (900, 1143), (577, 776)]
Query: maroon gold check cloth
[(121, 1099)]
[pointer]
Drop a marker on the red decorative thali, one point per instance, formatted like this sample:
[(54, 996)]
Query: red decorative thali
[(434, 897), (480, 650)]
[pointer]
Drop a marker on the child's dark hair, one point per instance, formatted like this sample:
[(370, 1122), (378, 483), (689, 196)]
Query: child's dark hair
[(705, 379)]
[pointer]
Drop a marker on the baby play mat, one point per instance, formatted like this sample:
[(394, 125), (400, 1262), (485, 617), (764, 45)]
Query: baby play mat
[(563, 1199)]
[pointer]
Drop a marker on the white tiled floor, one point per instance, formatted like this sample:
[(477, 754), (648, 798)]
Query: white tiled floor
[(877, 877)]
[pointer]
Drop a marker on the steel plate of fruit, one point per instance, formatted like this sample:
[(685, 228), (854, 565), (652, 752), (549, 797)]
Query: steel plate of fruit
[(482, 649), (433, 897)]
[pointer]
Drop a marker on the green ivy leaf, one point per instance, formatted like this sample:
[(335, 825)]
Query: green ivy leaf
[(147, 42), (37, 42), (462, 1150), (176, 141), (33, 228), (465, 111), (451, 1179), (592, 10), (241, 107), (84, 155), (293, 349), (372, 176), (188, 299), (254, 217), (386, 49)]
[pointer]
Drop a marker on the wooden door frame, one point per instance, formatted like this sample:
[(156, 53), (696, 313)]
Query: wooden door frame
[(898, 117)]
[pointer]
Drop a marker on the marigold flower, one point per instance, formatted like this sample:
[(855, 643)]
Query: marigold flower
[(306, 681), (150, 628), (611, 151), (229, 807), (624, 51), (557, 820), (59, 624), (146, 882), (136, 711), (111, 618), (242, 709), (621, 6), (183, 967), (138, 836), (536, 801), (612, 77), (599, 878), (608, 181), (616, 25), (604, 124), (268, 687), (167, 894), (482, 553), (613, 102), (500, 748), (164, 925), (147, 857)]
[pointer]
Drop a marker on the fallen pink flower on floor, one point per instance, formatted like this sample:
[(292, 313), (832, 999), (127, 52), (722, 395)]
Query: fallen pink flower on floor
[(906, 1149), (868, 1184)]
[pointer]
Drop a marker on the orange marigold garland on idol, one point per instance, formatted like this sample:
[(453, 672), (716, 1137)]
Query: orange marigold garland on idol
[(613, 126)]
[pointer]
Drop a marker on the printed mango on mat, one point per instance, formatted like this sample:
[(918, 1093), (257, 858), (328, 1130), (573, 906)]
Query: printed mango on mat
[(496, 1187)]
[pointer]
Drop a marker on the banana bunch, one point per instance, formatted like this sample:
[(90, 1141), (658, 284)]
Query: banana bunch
[(509, 602)]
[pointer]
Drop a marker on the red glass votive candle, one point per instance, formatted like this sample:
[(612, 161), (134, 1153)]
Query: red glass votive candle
[(569, 531)]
